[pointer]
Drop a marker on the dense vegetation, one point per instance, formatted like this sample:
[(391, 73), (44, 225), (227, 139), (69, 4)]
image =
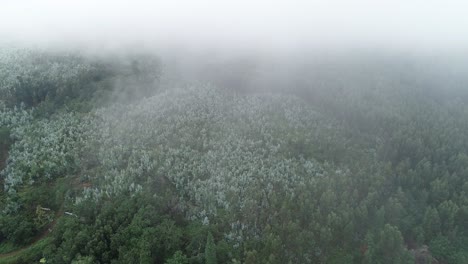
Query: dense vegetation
[(357, 163)]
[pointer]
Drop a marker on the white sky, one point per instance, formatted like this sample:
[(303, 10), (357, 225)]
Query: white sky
[(413, 24)]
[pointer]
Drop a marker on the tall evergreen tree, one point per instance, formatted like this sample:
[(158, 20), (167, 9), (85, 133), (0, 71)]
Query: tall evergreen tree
[(210, 250)]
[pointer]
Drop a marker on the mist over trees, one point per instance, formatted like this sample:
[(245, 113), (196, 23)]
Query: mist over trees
[(351, 158)]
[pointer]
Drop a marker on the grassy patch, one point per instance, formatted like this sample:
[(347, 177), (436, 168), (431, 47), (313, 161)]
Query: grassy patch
[(31, 254), (7, 247)]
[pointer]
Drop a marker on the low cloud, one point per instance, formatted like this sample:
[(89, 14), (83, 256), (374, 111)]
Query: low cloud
[(275, 25)]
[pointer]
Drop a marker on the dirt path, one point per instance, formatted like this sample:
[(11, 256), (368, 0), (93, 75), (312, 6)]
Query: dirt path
[(38, 238)]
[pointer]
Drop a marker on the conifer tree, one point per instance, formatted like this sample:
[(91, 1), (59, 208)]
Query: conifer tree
[(210, 250)]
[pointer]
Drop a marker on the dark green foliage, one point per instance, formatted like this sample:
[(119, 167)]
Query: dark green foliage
[(178, 258), (210, 250), (18, 229), (4, 136), (121, 231), (386, 247), (21, 226), (5, 142)]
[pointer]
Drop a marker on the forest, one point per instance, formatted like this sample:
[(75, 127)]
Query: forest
[(360, 158)]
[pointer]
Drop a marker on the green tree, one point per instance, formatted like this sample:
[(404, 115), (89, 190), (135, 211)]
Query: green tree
[(210, 250), (386, 247), (431, 223), (178, 258)]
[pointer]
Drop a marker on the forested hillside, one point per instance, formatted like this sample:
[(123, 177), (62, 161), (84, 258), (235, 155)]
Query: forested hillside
[(110, 160)]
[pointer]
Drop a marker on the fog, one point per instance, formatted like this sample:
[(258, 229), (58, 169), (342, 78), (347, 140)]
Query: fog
[(266, 26), (252, 45)]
